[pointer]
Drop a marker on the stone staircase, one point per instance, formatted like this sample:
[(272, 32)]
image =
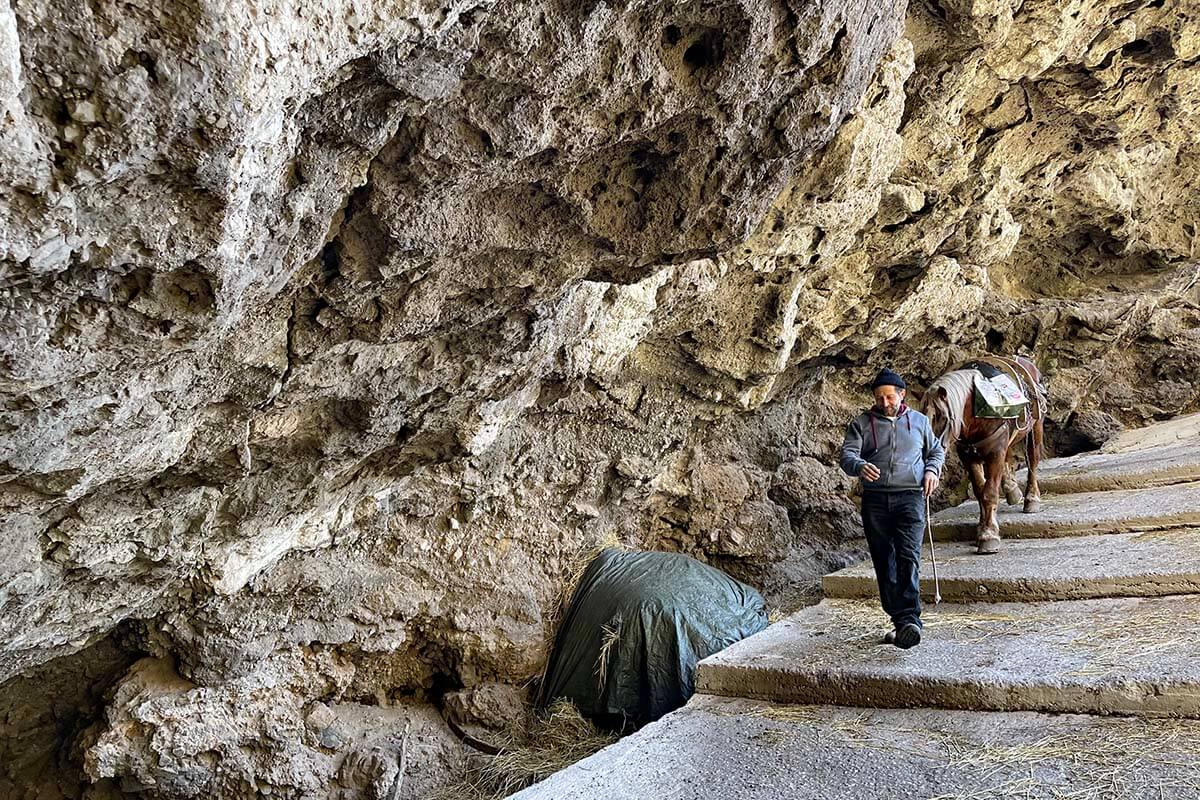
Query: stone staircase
[(1068, 665)]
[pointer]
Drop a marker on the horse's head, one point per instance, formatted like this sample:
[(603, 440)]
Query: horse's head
[(937, 408)]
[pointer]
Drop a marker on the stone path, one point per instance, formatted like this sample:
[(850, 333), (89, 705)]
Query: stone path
[(1159, 454), (1068, 665), (1138, 469), (736, 749), (1125, 656), (1113, 565), (1074, 514)]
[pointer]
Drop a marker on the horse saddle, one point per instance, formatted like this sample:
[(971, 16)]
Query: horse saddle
[(998, 397)]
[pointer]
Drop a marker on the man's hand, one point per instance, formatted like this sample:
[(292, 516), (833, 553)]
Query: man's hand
[(931, 483), (869, 472)]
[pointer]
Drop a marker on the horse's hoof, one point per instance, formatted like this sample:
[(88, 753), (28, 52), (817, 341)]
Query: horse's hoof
[(1032, 505), (1014, 498), (988, 546)]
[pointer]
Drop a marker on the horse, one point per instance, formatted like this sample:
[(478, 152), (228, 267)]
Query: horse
[(985, 446)]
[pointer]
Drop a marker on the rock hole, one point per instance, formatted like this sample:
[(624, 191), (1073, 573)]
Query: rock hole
[(133, 58), (331, 262), (995, 340), (1136, 47), (62, 115), (149, 64), (836, 47), (1156, 47), (936, 9), (706, 52), (901, 274)]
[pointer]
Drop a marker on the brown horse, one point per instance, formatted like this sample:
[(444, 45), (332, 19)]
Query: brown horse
[(984, 445)]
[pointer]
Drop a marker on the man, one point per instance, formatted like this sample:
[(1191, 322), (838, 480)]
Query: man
[(892, 449)]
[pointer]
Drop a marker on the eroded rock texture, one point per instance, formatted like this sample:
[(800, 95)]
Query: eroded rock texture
[(335, 336)]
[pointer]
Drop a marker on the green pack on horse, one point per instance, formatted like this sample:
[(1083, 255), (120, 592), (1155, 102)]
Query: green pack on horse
[(957, 407)]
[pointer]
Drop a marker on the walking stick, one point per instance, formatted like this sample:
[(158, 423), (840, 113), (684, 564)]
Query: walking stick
[(937, 591)]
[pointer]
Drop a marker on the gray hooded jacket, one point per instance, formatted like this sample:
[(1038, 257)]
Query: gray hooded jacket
[(903, 448)]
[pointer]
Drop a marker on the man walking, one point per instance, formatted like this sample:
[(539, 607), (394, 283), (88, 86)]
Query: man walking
[(892, 449)]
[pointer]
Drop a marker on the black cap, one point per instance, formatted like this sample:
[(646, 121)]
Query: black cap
[(888, 378)]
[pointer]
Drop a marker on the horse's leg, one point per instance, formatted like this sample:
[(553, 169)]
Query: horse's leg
[(988, 533), (978, 485), (1012, 492), (975, 471), (1033, 454)]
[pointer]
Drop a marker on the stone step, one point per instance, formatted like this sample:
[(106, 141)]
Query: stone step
[(1026, 570), (719, 747), (1113, 656), (1084, 513), (1160, 434), (1135, 469)]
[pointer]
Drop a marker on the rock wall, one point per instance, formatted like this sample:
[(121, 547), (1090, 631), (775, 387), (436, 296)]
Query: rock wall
[(334, 339)]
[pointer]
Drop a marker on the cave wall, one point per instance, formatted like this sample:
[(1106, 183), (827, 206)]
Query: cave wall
[(335, 338)]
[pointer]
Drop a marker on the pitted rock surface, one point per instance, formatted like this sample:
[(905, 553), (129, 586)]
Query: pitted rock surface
[(332, 338)]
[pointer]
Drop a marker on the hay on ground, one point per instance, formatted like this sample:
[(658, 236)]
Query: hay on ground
[(863, 619), (553, 740), (1114, 760), (1106, 763)]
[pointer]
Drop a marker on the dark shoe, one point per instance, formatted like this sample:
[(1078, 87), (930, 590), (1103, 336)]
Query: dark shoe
[(908, 636), (889, 637)]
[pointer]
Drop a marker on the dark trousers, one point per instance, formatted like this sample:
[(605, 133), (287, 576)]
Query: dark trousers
[(894, 523)]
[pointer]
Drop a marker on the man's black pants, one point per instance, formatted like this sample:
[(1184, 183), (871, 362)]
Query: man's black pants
[(894, 523)]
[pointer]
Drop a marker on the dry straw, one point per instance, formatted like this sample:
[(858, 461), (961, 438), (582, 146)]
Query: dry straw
[(1110, 759), (610, 638), (856, 625), (1116, 760), (555, 738), (862, 617), (575, 567), (1169, 535), (1112, 643), (551, 742), (1119, 759), (573, 574)]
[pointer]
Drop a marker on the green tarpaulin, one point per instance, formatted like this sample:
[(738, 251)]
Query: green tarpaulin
[(627, 649)]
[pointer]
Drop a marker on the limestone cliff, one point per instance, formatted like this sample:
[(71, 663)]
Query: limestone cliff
[(334, 336)]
